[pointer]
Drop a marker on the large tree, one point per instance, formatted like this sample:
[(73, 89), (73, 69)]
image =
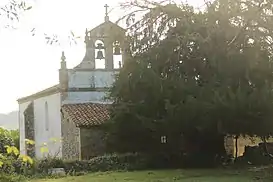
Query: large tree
[(194, 76)]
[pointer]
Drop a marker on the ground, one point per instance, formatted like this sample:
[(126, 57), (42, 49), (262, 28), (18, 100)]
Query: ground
[(166, 176)]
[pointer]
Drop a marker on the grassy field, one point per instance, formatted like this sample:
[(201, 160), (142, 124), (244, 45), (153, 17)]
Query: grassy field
[(165, 176)]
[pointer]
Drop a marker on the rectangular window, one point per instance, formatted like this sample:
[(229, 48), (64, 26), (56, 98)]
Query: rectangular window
[(46, 117)]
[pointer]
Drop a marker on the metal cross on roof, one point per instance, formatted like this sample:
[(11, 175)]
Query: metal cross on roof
[(106, 9), (106, 12)]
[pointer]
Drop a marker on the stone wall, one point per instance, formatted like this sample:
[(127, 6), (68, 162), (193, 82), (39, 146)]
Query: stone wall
[(229, 145), (70, 140), (29, 129), (92, 142), (242, 142)]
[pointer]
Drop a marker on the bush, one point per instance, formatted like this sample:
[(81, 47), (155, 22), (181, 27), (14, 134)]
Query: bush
[(43, 166), (7, 166), (71, 167), (128, 162), (5, 140), (110, 162), (11, 178), (15, 165), (116, 162), (256, 156)]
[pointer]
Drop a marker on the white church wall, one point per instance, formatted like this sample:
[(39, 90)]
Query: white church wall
[(85, 79), (48, 126), (82, 97), (22, 108)]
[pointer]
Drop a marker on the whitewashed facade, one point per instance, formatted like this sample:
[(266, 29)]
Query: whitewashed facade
[(47, 124)]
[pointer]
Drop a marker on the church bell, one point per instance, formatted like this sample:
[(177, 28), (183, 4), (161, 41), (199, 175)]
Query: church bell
[(100, 53), (117, 50)]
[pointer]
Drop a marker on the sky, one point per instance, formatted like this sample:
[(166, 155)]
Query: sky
[(27, 63)]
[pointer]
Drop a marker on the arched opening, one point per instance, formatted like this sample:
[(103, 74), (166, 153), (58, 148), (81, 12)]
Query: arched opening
[(117, 55), (46, 117), (99, 55)]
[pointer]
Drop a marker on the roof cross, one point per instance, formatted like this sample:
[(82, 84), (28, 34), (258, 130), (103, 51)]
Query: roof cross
[(106, 9), (106, 12)]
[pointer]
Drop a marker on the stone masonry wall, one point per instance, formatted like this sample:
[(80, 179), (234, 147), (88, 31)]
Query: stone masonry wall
[(242, 142), (229, 145), (92, 142), (70, 140)]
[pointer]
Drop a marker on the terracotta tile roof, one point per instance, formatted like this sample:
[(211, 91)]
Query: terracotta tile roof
[(87, 114)]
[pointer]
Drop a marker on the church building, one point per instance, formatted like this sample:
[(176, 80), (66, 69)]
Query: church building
[(73, 110)]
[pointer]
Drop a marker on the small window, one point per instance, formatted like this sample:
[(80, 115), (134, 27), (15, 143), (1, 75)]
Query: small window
[(163, 139), (46, 117)]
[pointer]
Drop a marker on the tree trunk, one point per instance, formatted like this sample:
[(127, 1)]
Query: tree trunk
[(236, 147), (207, 149), (265, 145)]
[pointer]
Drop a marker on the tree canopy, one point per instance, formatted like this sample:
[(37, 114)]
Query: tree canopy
[(206, 71)]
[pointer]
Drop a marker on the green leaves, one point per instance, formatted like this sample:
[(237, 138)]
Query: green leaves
[(29, 142), (6, 139), (12, 150), (196, 70)]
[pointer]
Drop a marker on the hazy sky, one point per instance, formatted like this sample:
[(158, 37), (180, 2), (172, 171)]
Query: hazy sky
[(27, 63)]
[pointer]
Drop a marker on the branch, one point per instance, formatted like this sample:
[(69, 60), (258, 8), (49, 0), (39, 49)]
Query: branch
[(246, 24)]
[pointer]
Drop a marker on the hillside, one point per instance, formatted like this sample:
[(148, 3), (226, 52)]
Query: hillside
[(9, 121)]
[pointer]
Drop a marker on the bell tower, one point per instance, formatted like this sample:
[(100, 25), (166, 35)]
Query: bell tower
[(90, 80), (104, 46)]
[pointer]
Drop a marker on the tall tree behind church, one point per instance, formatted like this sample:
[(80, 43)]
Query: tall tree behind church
[(201, 75)]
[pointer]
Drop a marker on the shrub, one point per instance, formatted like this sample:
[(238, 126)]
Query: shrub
[(256, 156), (23, 168), (76, 166), (15, 165), (5, 140), (43, 166), (11, 178), (110, 162), (115, 162), (129, 161), (7, 166)]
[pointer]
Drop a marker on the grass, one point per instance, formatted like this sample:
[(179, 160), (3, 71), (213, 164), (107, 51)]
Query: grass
[(165, 176)]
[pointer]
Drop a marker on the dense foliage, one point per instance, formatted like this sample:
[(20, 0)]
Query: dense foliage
[(194, 77), (109, 162), (7, 138), (12, 164)]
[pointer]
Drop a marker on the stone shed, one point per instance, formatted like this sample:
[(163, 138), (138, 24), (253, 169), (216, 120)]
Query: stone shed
[(83, 137)]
